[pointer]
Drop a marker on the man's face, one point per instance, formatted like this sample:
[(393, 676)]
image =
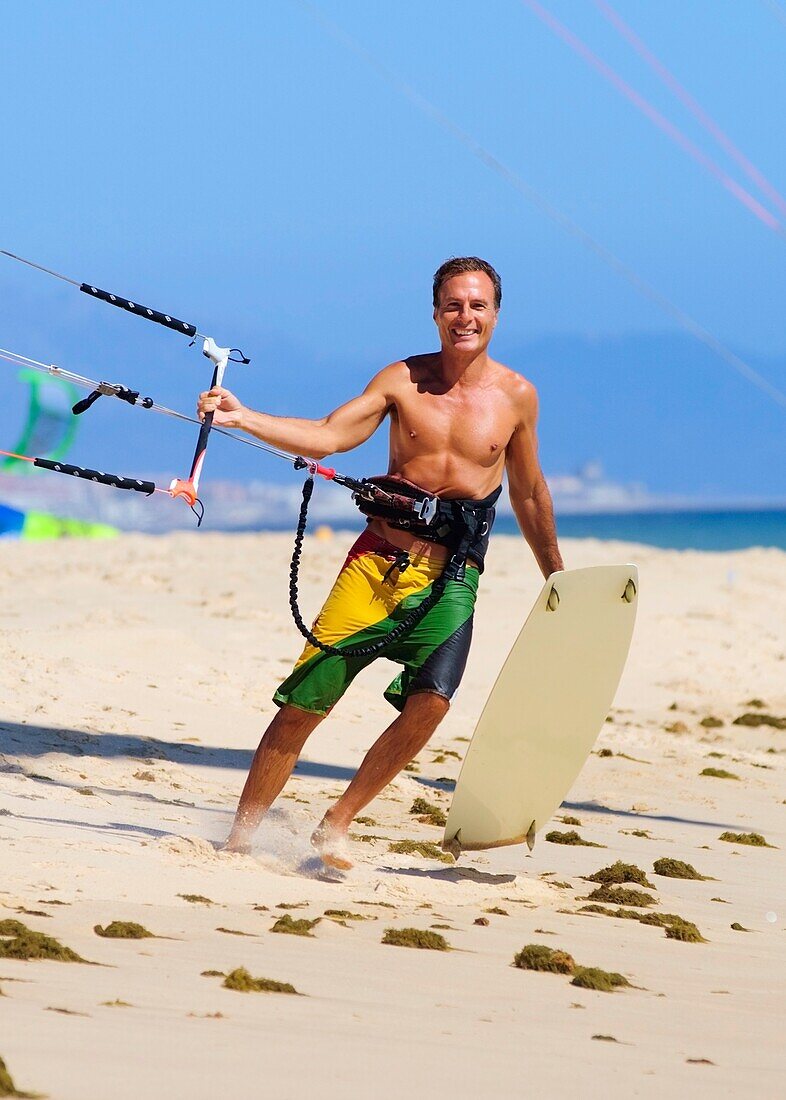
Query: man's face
[(466, 315)]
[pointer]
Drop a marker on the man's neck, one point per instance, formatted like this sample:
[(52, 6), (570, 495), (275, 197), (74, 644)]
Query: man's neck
[(455, 365)]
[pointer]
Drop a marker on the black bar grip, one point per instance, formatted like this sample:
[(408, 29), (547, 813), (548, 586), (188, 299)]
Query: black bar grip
[(85, 403), (117, 482), (141, 311)]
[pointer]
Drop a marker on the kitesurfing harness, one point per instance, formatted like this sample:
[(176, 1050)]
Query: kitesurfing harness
[(463, 526)]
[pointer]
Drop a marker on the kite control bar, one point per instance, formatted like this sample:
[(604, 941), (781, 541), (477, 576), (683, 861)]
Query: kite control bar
[(141, 311), (115, 480), (185, 488)]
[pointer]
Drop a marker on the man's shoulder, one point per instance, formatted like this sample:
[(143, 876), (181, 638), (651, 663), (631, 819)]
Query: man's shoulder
[(415, 365), (404, 368), (390, 377), (518, 388), (415, 368)]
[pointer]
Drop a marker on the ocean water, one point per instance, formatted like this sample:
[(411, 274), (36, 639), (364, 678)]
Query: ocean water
[(674, 530)]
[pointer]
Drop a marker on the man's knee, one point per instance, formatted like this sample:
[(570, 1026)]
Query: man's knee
[(290, 729), (429, 706)]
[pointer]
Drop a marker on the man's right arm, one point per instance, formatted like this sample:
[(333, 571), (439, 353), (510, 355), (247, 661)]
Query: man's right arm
[(342, 430)]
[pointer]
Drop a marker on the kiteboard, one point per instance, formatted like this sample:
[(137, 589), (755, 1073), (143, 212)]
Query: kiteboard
[(546, 708)]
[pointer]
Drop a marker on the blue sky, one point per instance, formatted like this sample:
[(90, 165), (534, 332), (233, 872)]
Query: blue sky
[(242, 168)]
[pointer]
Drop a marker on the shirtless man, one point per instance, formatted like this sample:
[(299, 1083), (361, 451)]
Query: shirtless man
[(458, 421)]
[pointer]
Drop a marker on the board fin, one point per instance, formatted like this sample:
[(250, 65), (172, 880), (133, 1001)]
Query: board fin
[(530, 836), (453, 846)]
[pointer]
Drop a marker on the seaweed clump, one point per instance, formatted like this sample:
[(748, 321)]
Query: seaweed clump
[(755, 720), (681, 929), (675, 868), (427, 813), (196, 899), (293, 927), (36, 945), (621, 872), (618, 895), (241, 981), (684, 930), (123, 930), (659, 919), (571, 837), (718, 773), (568, 819), (415, 937), (754, 839), (425, 848), (7, 1086), (538, 956), (604, 981), (12, 927)]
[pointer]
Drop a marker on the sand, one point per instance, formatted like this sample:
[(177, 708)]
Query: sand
[(135, 681)]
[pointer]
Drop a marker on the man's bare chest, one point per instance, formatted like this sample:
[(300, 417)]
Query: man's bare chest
[(475, 427)]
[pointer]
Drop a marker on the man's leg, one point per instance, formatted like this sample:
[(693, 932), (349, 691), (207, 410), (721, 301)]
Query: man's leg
[(403, 739), (271, 767)]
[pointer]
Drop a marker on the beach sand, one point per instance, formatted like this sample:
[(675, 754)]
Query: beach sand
[(136, 678)]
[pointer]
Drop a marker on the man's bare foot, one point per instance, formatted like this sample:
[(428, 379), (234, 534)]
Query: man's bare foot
[(240, 845), (331, 845)]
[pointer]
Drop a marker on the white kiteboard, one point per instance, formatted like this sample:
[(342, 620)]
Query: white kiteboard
[(546, 708)]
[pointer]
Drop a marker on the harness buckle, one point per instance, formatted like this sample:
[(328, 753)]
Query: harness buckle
[(425, 509)]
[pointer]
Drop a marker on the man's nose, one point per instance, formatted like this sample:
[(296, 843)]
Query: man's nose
[(465, 316)]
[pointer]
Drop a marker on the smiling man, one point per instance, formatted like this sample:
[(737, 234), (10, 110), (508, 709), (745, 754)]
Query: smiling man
[(459, 420)]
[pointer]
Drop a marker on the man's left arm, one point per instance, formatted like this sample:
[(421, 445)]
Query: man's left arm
[(529, 494)]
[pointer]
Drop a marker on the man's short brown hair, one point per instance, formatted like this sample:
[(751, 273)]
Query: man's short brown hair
[(458, 265)]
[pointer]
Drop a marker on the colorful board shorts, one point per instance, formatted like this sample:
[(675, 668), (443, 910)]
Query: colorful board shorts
[(363, 607)]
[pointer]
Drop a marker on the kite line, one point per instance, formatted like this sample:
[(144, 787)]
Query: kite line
[(546, 207), (681, 92), (654, 115)]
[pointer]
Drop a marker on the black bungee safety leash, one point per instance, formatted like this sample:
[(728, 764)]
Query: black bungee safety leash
[(372, 648)]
